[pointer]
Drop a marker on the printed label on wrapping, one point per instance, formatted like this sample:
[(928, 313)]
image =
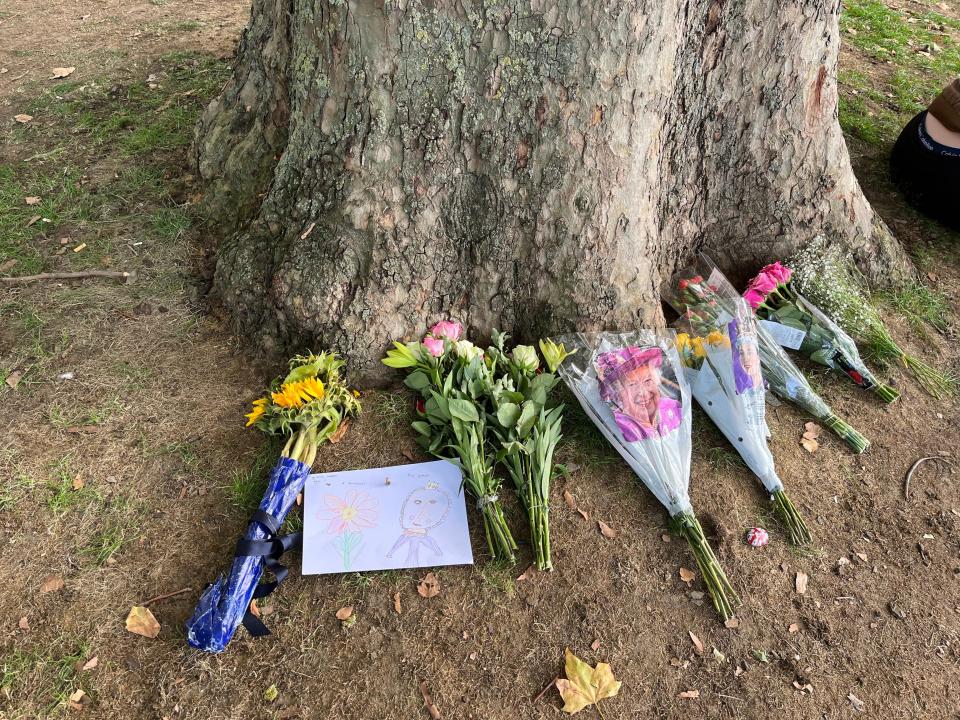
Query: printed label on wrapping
[(785, 335)]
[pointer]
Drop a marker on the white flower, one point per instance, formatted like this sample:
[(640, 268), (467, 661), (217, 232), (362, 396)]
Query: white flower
[(467, 350)]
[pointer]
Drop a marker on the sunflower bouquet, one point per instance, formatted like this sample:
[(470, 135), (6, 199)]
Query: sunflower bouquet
[(306, 407)]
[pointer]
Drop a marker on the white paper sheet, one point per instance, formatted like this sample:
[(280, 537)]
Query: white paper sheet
[(405, 516)]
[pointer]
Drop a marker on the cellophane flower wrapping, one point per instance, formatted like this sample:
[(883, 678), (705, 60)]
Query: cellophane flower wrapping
[(702, 293), (632, 386), (224, 603), (730, 388)]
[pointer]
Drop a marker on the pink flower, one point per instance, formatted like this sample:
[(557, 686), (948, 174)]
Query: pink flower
[(357, 511), (763, 283), (754, 298), (779, 272), (434, 345), (447, 329)]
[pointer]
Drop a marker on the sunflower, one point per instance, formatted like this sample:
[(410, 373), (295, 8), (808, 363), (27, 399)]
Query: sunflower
[(259, 408), (297, 394), (717, 338)]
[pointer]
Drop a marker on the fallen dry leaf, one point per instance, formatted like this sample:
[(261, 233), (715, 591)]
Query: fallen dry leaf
[(78, 483), (34, 220), (396, 602), (32, 200), (811, 430), (61, 72), (731, 623), (254, 608), (687, 575), (689, 694), (584, 514), (527, 574), (809, 445), (8, 264), (340, 432), (605, 530), (13, 379), (569, 500), (141, 621), (90, 664), (23, 118), (429, 586), (585, 685), (856, 702), (51, 583), (24, 624), (77, 699), (408, 455), (801, 583), (794, 627), (697, 643), (595, 645), (345, 612)]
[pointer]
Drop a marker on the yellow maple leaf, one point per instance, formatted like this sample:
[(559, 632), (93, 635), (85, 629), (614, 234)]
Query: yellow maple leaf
[(585, 685)]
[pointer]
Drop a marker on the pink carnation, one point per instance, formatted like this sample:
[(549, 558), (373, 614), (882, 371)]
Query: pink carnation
[(434, 345), (447, 329)]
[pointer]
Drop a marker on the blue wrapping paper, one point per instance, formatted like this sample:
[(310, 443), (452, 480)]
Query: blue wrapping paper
[(223, 604)]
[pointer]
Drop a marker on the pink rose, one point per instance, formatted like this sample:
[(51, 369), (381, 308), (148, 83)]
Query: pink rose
[(434, 345), (447, 329), (763, 283), (754, 298), (779, 272)]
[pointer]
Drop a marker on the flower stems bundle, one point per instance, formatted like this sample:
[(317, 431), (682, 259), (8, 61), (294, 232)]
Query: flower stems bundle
[(828, 278), (723, 370), (527, 431), (632, 386), (773, 298), (307, 407), (707, 303)]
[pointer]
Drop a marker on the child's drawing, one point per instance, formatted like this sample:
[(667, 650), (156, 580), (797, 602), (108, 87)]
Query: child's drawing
[(347, 517), (423, 509), (385, 518)]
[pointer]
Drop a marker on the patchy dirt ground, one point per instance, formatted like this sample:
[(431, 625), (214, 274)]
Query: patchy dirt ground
[(126, 472)]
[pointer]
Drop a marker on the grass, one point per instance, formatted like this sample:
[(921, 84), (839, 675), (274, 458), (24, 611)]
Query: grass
[(724, 459), (63, 496), (248, 483), (910, 56), (922, 306), (120, 527), (45, 675)]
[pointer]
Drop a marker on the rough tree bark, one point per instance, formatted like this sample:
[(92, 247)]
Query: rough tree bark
[(526, 165)]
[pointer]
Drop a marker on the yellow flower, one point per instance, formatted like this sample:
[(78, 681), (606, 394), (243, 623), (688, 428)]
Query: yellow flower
[(696, 344), (717, 338), (356, 393), (259, 408), (297, 394)]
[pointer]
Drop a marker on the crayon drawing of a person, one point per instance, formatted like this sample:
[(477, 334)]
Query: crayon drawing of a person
[(630, 383), (422, 510)]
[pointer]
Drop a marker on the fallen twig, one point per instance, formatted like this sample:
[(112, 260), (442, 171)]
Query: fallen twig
[(428, 701), (913, 469), (158, 598), (25, 279), (544, 691)]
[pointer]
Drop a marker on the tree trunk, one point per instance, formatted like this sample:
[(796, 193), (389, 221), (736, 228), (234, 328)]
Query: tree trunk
[(530, 166)]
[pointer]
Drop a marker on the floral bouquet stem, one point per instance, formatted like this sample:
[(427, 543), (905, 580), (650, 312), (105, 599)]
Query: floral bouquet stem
[(790, 517), (845, 431), (722, 594)]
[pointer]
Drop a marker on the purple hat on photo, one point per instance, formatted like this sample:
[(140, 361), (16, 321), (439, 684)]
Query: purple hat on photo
[(616, 363)]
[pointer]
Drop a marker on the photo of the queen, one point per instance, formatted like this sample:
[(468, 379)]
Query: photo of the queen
[(632, 385), (746, 357)]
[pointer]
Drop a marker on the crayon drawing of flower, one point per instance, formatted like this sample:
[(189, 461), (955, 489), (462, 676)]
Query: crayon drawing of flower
[(357, 511), (347, 518)]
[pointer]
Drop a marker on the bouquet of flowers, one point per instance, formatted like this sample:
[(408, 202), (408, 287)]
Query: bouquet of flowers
[(708, 303), (479, 408), (826, 276), (772, 297), (723, 371), (632, 386), (307, 407)]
